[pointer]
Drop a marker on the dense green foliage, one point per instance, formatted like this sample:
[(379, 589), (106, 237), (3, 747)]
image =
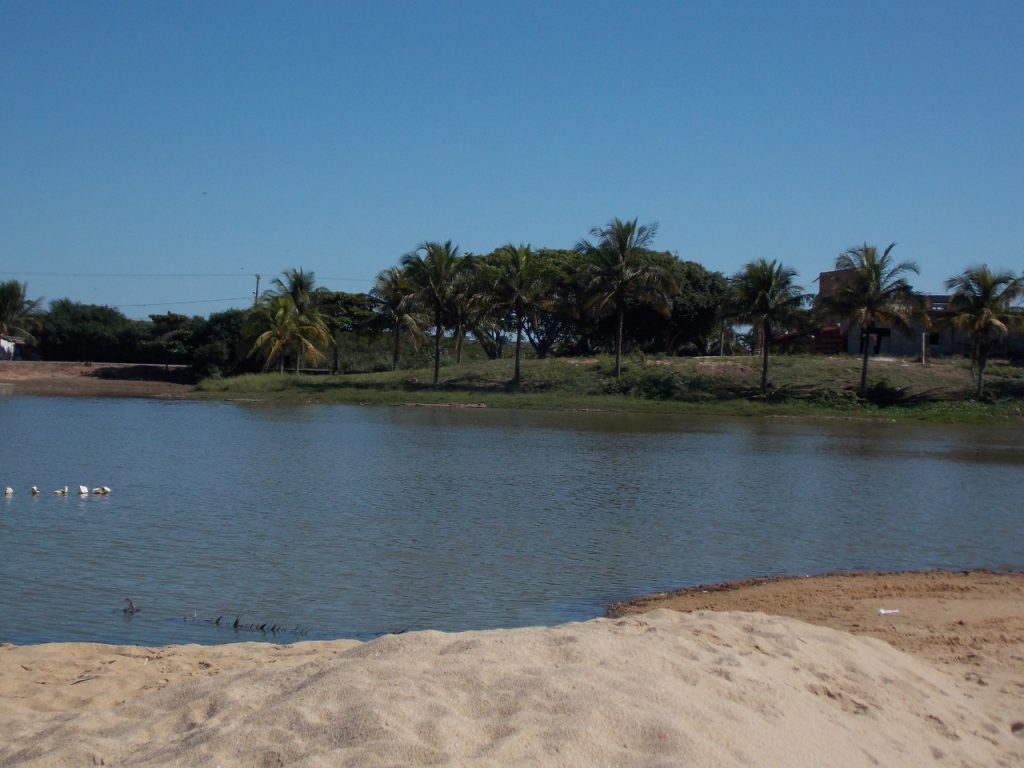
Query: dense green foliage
[(610, 295)]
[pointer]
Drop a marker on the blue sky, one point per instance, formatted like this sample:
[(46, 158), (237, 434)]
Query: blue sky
[(225, 139)]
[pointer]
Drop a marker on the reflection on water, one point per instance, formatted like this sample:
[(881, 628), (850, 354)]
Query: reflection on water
[(350, 521)]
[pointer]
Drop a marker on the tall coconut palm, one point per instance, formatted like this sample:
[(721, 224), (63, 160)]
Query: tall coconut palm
[(873, 290), (433, 268), (616, 271), (277, 326), (394, 296), (764, 295), (518, 286), (18, 313), (300, 286), (982, 304)]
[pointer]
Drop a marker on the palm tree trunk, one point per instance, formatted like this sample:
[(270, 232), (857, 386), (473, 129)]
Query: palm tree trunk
[(394, 351), (866, 340), (437, 345), (764, 359), (982, 355), (519, 344), (621, 311)]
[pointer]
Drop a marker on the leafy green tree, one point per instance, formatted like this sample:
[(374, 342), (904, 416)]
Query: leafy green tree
[(344, 314), (873, 290), (684, 324), (559, 318), (983, 304), (277, 326), (169, 337), (696, 305), (19, 315), (394, 296), (74, 331), (765, 296), (433, 269), (216, 346), (615, 271)]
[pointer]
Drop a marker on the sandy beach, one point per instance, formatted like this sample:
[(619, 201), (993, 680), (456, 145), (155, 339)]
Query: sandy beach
[(825, 680)]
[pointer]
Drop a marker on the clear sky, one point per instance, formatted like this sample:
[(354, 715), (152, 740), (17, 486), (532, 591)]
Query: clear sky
[(207, 141)]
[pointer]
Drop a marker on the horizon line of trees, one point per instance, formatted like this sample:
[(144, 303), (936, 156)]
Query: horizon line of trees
[(611, 293)]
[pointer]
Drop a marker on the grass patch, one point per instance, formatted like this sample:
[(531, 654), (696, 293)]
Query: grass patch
[(801, 385)]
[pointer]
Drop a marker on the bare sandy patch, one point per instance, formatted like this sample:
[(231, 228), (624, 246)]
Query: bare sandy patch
[(660, 689)]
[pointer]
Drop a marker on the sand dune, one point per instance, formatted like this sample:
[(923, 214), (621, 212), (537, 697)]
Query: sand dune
[(662, 688)]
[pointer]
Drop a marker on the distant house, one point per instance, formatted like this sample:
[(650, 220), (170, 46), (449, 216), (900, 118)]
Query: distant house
[(839, 335), (11, 347)]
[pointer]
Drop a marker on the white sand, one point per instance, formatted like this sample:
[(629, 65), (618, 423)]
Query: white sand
[(664, 688)]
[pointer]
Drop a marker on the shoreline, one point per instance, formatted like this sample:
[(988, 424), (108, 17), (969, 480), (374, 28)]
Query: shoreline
[(939, 683), (114, 380)]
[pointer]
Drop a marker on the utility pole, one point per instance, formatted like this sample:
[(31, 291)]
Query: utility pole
[(256, 301)]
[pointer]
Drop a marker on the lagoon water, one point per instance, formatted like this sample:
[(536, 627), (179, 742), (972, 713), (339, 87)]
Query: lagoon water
[(350, 521)]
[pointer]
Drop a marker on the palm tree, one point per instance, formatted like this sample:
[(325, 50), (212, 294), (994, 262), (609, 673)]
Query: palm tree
[(518, 286), (394, 295), (983, 305), (278, 326), (616, 271), (432, 268), (872, 291), (764, 295), (18, 313), (300, 286)]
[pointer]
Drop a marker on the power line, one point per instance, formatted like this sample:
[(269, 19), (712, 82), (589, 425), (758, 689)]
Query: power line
[(129, 274), (165, 274), (196, 301)]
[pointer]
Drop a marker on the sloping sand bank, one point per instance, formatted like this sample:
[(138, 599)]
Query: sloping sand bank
[(663, 688), (969, 623), (86, 380)]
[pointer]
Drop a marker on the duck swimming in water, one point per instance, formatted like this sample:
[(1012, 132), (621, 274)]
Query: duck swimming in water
[(61, 491), (130, 609), (35, 491)]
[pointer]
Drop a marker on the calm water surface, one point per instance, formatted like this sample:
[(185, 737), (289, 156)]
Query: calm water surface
[(350, 521)]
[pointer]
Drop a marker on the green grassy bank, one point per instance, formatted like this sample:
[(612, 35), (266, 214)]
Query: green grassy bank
[(802, 385)]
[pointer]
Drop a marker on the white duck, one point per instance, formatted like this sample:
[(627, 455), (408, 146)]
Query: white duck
[(61, 491), (8, 491), (35, 491)]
